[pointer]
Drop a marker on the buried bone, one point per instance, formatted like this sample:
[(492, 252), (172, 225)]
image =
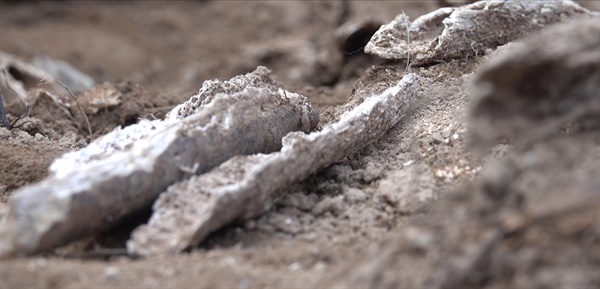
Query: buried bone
[(458, 33), (124, 171), (247, 186)]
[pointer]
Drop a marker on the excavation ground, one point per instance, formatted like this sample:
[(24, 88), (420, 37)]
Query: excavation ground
[(157, 54)]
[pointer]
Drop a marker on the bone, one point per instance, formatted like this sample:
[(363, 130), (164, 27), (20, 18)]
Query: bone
[(124, 171), (462, 32), (245, 187)]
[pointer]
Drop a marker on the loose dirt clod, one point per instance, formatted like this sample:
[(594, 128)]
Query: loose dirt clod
[(245, 187), (457, 33), (125, 170), (559, 87), (531, 219)]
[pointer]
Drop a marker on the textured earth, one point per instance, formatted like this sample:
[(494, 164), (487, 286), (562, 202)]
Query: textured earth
[(419, 207)]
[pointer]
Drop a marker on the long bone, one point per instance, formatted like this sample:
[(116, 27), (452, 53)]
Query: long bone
[(247, 186), (124, 171)]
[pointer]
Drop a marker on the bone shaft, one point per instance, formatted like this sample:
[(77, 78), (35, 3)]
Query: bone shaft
[(185, 214), (91, 199)]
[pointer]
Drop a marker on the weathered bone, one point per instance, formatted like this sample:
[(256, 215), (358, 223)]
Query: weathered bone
[(244, 187), (457, 33), (127, 169)]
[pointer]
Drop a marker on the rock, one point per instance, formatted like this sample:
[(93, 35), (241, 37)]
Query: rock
[(524, 98), (124, 171), (245, 187), (457, 33)]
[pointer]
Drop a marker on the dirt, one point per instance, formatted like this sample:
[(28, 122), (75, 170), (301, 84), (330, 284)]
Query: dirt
[(415, 207)]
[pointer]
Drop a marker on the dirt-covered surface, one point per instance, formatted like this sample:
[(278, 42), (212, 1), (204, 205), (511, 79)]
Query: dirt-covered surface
[(423, 206)]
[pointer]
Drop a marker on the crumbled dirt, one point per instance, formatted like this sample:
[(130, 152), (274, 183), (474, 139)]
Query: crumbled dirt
[(358, 222)]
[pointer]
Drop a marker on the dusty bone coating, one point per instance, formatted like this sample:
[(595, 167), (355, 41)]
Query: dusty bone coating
[(119, 140), (84, 198), (247, 186), (258, 79), (457, 33), (518, 96)]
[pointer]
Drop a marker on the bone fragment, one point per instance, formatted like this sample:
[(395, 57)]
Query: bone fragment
[(127, 169), (458, 33), (245, 187)]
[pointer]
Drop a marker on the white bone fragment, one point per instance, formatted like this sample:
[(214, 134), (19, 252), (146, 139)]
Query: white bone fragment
[(247, 186), (124, 171)]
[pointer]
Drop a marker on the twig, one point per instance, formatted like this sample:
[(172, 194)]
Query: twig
[(3, 119), (12, 125), (407, 42), (57, 79)]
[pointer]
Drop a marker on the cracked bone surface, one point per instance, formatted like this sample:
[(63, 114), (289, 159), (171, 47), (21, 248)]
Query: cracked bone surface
[(247, 186), (457, 33), (89, 190)]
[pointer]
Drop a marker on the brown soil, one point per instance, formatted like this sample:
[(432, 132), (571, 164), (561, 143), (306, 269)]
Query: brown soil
[(345, 225)]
